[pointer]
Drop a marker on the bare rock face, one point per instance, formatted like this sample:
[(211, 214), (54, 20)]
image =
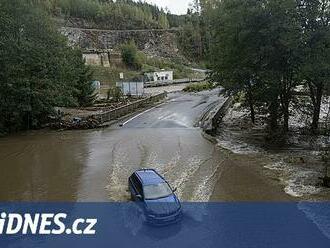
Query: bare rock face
[(153, 42)]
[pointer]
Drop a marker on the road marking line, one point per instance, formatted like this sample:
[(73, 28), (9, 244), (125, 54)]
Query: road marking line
[(144, 112)]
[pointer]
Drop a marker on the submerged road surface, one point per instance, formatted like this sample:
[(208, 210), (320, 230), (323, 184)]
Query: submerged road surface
[(94, 165)]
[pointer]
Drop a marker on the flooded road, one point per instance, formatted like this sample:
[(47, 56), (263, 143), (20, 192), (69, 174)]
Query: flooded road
[(94, 165)]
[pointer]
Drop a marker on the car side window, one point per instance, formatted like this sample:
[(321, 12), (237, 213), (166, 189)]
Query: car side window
[(137, 184), (139, 188), (133, 179)]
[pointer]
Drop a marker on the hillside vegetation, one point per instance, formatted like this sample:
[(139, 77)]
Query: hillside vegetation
[(120, 14), (129, 15), (38, 69)]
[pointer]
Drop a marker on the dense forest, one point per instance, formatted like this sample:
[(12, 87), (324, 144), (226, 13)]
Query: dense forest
[(129, 14), (120, 14)]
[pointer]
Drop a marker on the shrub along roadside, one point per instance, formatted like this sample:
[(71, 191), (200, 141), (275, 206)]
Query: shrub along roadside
[(197, 87)]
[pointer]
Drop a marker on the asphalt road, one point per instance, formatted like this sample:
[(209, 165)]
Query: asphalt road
[(94, 165), (167, 138)]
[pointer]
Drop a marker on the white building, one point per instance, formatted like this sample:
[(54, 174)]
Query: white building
[(160, 76)]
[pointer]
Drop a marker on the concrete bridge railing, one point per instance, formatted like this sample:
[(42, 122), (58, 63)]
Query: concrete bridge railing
[(217, 119), (129, 108), (172, 82)]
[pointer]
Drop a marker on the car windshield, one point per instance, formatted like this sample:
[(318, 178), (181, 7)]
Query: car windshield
[(156, 191)]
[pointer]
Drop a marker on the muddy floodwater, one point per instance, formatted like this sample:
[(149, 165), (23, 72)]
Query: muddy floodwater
[(294, 162), (94, 165)]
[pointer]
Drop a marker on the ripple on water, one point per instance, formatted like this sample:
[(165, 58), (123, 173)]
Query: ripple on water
[(178, 171), (238, 147), (299, 181)]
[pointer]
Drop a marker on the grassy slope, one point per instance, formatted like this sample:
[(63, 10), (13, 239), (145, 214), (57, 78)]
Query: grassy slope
[(109, 76)]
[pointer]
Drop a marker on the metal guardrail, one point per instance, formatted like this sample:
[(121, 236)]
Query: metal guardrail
[(172, 82), (129, 108)]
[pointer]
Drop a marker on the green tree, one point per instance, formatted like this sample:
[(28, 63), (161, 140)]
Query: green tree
[(257, 49), (163, 21), (131, 56), (315, 18), (197, 27), (84, 92), (120, 14), (38, 69), (190, 41), (284, 47), (236, 54)]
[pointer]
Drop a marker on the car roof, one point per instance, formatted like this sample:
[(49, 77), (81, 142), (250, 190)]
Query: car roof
[(149, 177)]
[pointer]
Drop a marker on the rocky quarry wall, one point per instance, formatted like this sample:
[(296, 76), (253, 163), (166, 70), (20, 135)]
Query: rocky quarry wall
[(154, 43)]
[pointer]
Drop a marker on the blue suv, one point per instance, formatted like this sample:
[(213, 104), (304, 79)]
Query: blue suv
[(160, 204)]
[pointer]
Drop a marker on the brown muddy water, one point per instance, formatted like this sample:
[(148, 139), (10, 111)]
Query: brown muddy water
[(294, 162), (94, 165)]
